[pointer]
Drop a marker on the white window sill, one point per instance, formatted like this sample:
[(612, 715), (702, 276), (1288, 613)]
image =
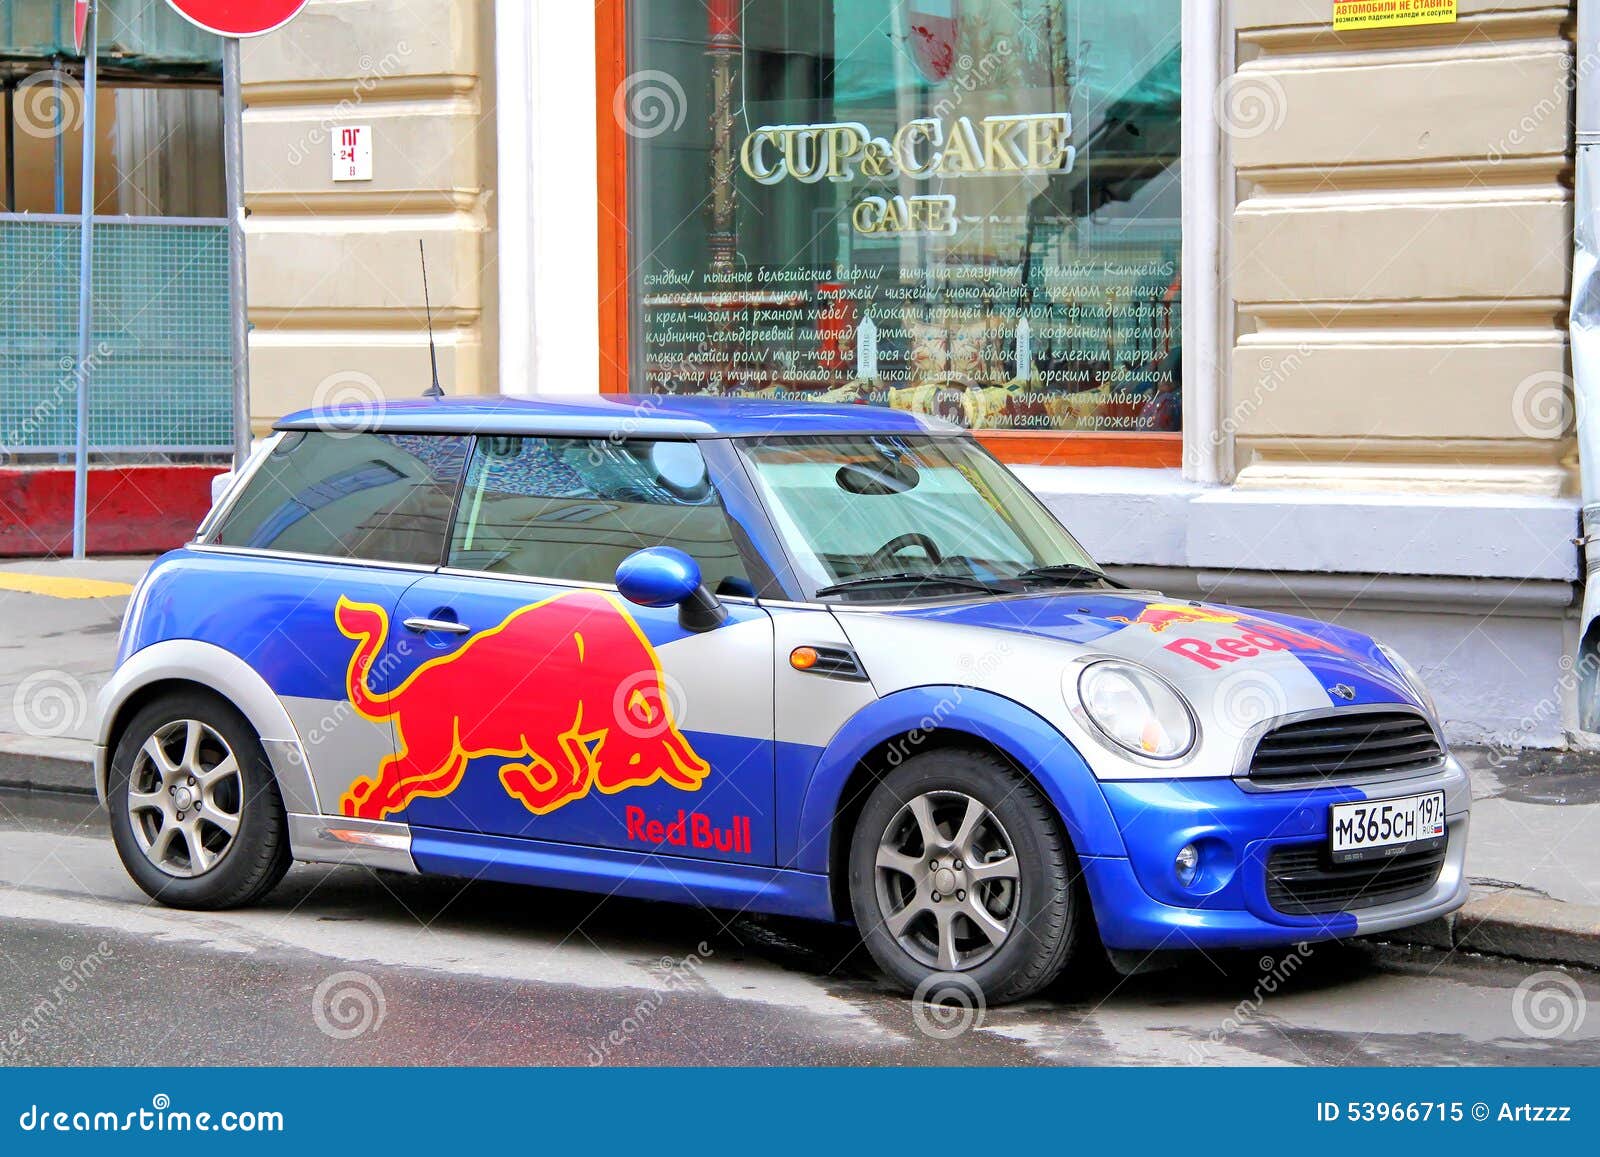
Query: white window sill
[(1132, 517)]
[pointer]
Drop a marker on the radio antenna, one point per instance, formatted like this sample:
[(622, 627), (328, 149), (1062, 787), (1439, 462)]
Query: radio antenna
[(434, 390)]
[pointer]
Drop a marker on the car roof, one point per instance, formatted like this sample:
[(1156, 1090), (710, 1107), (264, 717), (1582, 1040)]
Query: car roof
[(604, 415)]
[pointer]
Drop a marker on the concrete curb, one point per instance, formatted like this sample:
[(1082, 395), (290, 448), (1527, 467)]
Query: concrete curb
[(1515, 923), (1507, 922), (60, 764)]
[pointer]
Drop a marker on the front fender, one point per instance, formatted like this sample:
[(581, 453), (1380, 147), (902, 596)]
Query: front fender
[(1027, 738), (235, 680)]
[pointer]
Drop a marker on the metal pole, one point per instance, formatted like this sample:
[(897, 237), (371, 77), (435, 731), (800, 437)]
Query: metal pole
[(58, 137), (11, 147), (1584, 333), (80, 490), (233, 167)]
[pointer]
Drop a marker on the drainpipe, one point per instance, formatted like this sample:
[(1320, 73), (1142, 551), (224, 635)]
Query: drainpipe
[(1584, 328)]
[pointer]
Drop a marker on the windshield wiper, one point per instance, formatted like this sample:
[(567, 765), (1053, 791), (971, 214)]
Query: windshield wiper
[(1072, 573), (904, 578)]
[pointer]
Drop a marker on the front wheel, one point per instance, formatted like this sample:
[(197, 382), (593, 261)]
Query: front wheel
[(195, 812), (958, 865)]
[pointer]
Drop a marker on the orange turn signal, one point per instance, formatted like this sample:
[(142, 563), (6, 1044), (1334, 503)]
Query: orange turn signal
[(803, 658)]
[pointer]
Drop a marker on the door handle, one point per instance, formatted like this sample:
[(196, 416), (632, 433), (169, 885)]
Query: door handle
[(448, 626)]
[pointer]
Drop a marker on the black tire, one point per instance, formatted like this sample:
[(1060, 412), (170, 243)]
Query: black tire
[(255, 858), (1048, 909)]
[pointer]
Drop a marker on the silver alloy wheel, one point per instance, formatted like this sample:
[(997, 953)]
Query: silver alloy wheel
[(185, 798), (947, 881)]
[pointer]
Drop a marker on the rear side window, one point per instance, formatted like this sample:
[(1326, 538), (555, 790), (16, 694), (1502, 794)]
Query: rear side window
[(374, 497), (571, 509)]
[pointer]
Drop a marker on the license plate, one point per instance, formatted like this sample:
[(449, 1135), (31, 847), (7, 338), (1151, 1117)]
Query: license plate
[(1379, 828)]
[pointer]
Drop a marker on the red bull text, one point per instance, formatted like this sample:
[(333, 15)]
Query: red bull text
[(1247, 644), (568, 690), (689, 830)]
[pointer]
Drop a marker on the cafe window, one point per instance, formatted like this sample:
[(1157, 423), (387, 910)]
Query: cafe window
[(966, 208)]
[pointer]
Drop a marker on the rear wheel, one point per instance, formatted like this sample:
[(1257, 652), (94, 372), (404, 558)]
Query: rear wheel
[(959, 866), (195, 812)]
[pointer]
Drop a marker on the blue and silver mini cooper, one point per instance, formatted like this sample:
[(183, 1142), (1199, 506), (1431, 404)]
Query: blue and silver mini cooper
[(825, 661)]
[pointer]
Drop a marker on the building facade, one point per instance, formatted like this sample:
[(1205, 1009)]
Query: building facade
[(1269, 312)]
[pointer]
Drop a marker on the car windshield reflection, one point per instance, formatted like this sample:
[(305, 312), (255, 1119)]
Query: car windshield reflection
[(889, 517)]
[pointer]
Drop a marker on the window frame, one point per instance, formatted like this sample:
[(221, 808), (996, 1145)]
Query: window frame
[(767, 564), (205, 534), (616, 281), (728, 482)]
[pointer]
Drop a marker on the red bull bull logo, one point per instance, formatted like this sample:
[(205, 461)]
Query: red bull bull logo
[(568, 691), (1159, 616)]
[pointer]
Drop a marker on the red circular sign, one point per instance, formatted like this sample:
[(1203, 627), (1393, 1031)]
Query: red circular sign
[(238, 17)]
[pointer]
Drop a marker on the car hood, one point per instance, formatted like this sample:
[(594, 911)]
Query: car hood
[(1228, 660)]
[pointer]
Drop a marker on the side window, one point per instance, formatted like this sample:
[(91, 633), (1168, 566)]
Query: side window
[(376, 497), (573, 508)]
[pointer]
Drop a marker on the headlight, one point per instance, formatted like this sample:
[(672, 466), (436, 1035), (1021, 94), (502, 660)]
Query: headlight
[(1412, 679), (1136, 710)]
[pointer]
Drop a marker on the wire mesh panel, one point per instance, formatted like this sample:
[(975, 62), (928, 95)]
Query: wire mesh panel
[(160, 347)]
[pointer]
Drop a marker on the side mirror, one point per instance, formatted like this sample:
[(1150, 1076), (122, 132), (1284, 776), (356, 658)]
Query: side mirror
[(664, 576)]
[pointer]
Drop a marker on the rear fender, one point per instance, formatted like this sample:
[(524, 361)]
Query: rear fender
[(1023, 736), (232, 678)]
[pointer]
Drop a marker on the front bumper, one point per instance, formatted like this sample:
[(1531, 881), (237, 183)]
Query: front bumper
[(1139, 904)]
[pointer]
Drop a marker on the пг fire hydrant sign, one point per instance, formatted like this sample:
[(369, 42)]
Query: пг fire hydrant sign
[(352, 152), (1349, 15)]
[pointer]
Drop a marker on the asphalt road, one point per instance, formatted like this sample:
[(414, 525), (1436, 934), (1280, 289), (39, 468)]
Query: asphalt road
[(343, 966)]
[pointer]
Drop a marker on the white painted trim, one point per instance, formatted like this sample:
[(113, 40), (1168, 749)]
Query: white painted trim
[(547, 153), (566, 214), (513, 201), (1204, 353)]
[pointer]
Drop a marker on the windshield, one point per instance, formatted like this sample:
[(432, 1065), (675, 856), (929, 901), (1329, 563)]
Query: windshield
[(888, 516)]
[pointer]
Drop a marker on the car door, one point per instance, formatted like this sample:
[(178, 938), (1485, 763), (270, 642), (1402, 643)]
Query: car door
[(542, 705), (334, 526)]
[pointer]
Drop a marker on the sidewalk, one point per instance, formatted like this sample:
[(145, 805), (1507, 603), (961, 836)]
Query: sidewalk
[(61, 621), (1533, 857), (1533, 854)]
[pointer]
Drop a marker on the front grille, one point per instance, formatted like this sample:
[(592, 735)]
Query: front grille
[(1303, 881), (1358, 743)]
